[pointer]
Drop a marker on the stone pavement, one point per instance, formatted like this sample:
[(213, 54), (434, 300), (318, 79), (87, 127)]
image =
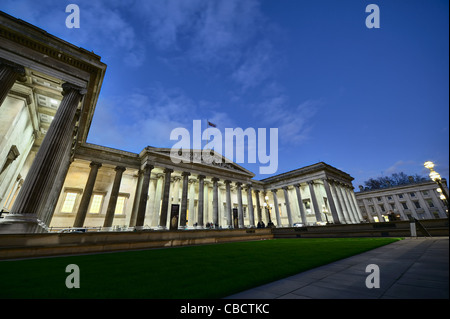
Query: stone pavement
[(413, 268)]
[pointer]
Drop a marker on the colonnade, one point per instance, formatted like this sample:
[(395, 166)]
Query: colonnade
[(208, 200)]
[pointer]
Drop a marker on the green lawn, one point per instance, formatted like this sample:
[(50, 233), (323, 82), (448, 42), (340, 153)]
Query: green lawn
[(210, 271)]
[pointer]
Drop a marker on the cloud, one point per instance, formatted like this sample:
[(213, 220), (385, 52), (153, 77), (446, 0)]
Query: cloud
[(294, 123), (147, 116), (400, 166)]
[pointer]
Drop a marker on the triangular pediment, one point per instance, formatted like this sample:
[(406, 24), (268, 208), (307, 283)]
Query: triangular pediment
[(208, 158)]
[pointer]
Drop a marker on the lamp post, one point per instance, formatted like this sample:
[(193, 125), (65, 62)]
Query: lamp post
[(268, 206), (437, 178)]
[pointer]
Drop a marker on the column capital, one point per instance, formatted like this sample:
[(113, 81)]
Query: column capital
[(148, 167), (227, 182), (120, 168), (297, 185), (256, 191), (201, 177), (285, 188), (17, 68), (311, 182), (274, 190), (168, 170), (215, 179), (177, 178), (238, 184), (97, 164), (185, 174), (67, 87)]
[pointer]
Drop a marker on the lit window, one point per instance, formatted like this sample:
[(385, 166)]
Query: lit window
[(69, 203), (96, 204), (120, 206), (375, 218)]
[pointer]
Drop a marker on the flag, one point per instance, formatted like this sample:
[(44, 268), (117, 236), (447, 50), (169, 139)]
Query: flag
[(211, 124)]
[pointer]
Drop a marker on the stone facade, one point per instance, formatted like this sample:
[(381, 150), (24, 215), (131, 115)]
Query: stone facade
[(415, 200), (50, 178)]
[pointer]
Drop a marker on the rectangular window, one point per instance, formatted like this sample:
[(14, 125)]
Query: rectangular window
[(412, 194), (405, 206), (307, 204), (69, 202), (417, 204), (120, 206), (400, 195), (389, 197), (425, 193), (96, 204), (372, 209), (382, 208), (430, 203)]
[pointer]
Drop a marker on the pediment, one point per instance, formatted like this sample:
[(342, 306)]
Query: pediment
[(210, 159)]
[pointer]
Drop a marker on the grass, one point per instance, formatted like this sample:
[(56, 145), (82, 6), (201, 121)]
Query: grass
[(210, 271)]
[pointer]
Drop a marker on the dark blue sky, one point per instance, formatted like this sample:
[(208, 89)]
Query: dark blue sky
[(370, 102)]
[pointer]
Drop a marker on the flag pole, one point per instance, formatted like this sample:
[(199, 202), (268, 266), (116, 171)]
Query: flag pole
[(207, 133)]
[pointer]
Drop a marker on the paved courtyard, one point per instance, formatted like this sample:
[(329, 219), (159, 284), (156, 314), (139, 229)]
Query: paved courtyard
[(413, 268)]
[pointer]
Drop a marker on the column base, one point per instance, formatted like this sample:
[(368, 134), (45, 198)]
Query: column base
[(21, 224)]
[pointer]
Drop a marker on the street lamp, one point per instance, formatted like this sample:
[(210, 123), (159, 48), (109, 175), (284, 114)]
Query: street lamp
[(268, 206), (437, 178)]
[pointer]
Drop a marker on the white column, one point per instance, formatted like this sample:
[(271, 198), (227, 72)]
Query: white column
[(288, 206), (277, 209), (250, 206), (151, 201), (353, 204), (331, 203), (300, 203), (157, 200), (208, 202), (346, 208), (191, 214), (229, 206), (338, 203), (314, 202)]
